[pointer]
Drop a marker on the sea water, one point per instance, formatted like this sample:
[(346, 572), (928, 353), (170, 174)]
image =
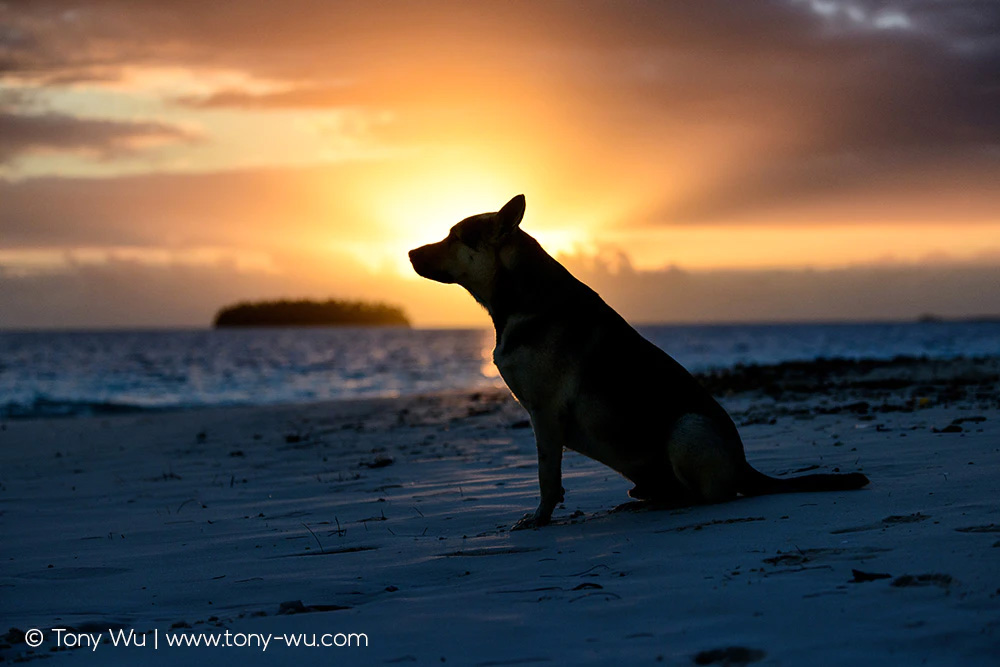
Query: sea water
[(49, 373)]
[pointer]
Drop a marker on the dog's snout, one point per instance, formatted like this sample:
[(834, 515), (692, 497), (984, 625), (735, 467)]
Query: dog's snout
[(428, 262), (417, 254)]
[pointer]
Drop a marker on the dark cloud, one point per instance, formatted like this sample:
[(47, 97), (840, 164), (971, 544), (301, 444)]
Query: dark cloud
[(908, 185), (122, 293), (134, 293), (755, 103), (220, 208), (875, 292), (130, 293), (55, 132)]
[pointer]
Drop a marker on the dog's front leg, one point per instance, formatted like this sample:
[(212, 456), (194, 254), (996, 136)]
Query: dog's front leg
[(549, 442)]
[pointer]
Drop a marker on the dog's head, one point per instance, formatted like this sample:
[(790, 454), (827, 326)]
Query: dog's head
[(470, 254)]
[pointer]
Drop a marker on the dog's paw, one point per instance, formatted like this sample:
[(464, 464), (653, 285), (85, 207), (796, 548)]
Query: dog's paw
[(530, 520), (639, 493)]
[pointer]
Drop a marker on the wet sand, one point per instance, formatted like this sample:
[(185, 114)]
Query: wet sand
[(390, 518)]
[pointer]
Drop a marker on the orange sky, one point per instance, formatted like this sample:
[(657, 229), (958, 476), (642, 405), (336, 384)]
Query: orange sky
[(158, 160)]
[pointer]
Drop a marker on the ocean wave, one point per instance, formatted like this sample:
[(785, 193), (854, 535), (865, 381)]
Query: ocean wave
[(64, 374)]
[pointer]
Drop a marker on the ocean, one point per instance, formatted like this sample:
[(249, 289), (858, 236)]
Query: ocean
[(68, 373)]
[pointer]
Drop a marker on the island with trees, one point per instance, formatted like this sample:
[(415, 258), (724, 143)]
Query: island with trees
[(308, 313)]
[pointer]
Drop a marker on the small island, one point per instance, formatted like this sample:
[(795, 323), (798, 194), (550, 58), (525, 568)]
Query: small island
[(307, 313)]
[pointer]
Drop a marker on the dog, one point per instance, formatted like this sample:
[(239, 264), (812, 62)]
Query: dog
[(592, 383)]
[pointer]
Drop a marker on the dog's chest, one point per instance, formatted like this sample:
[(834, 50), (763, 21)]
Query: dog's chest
[(529, 362)]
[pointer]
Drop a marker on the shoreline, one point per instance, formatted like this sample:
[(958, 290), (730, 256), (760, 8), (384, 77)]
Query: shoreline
[(739, 378), (390, 517)]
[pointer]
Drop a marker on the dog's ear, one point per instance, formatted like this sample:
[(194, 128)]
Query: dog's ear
[(510, 215)]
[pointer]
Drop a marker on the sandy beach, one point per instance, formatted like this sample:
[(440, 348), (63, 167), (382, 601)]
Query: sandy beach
[(386, 523)]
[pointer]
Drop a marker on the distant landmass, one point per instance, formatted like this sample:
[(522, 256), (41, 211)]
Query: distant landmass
[(306, 313)]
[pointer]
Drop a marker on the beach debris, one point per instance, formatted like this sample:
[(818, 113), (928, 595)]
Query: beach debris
[(381, 517), (904, 518), (991, 528), (489, 551), (933, 579), (328, 552), (861, 577), (586, 585), (190, 500), (529, 590), (730, 655), (787, 558), (314, 537), (296, 607), (164, 477), (956, 424), (13, 637), (713, 522), (380, 461), (606, 595), (884, 523), (857, 407), (801, 556), (976, 419)]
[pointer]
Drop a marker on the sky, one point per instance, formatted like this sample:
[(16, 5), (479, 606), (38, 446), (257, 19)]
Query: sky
[(692, 161)]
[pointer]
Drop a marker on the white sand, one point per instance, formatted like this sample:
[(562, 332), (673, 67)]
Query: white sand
[(138, 522)]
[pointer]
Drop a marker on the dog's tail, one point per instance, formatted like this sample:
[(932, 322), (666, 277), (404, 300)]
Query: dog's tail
[(755, 483)]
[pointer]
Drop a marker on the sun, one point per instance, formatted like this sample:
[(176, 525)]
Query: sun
[(422, 209), (408, 210)]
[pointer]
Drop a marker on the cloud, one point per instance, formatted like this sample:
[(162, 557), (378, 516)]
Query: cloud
[(872, 292), (135, 293), (696, 112), (129, 292), (299, 97), (903, 185), (22, 134), (263, 208)]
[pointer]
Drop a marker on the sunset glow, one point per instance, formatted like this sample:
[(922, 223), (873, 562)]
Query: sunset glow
[(168, 145)]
